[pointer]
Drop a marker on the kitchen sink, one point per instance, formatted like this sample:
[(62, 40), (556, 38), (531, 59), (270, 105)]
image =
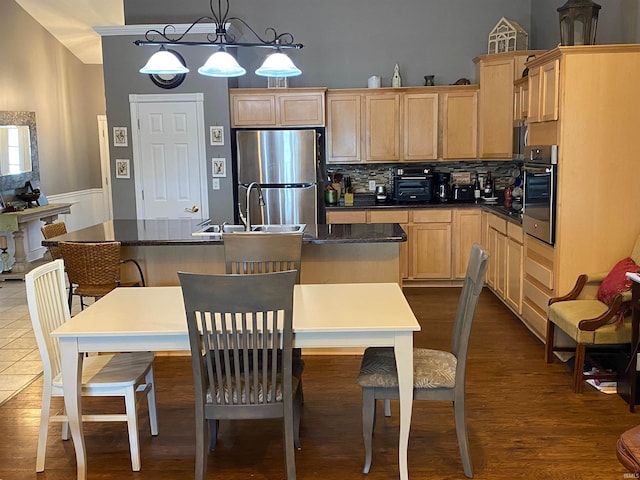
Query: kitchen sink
[(219, 230), (293, 228)]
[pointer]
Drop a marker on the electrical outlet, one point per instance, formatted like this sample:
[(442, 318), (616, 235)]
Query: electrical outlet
[(216, 184), (372, 185)]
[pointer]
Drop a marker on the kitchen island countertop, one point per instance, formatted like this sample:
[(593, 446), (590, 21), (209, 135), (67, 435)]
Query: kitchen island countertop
[(135, 233)]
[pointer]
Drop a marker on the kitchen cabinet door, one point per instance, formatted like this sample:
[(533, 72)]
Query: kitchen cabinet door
[(430, 251), (467, 230), (305, 109), (514, 267), (420, 132), (382, 127), (459, 125), (496, 74), (495, 116), (549, 84), (344, 128), (253, 110)]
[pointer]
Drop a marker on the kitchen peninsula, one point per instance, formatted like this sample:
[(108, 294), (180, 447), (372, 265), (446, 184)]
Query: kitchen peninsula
[(330, 254)]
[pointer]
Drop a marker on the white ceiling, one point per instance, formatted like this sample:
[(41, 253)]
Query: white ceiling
[(71, 22)]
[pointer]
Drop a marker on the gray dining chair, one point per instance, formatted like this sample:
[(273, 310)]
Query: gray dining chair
[(437, 375), (252, 253), (240, 334)]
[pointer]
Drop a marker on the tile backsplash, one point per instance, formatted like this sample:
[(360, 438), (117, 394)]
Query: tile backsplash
[(382, 173)]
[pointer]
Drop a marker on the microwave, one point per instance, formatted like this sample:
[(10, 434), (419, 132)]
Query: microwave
[(520, 139)]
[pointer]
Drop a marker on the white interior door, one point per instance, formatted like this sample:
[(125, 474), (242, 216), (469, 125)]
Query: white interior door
[(169, 156)]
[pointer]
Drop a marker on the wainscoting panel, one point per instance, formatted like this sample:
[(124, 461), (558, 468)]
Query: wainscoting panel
[(87, 209)]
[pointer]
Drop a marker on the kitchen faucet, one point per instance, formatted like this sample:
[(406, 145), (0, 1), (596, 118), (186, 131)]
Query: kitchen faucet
[(246, 219)]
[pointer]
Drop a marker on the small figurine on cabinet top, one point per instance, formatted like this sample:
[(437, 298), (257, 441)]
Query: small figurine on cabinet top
[(396, 81)]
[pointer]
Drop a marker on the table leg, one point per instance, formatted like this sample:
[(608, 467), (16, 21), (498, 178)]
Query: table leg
[(19, 256), (404, 360), (71, 360)]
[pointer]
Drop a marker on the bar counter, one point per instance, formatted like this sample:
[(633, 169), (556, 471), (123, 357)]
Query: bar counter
[(358, 253)]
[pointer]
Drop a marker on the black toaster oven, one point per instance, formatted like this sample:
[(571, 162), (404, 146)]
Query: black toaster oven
[(412, 184)]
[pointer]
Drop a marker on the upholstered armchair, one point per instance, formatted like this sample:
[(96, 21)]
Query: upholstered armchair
[(590, 321)]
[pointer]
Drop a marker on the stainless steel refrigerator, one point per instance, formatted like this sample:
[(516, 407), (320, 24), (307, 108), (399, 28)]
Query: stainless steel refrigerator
[(285, 164)]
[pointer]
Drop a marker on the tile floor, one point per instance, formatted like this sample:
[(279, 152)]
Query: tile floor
[(20, 362)]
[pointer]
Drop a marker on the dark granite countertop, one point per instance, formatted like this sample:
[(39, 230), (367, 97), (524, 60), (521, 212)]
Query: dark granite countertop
[(178, 232), (364, 201)]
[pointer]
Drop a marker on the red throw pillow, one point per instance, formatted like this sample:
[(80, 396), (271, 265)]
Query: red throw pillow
[(616, 281)]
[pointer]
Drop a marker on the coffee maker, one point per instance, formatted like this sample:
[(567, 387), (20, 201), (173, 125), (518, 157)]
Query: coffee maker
[(442, 192)]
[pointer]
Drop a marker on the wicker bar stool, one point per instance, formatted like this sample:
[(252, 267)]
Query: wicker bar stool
[(94, 268), (51, 230)]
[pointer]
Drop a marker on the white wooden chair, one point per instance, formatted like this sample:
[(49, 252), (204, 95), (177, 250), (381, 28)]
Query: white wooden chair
[(119, 375)]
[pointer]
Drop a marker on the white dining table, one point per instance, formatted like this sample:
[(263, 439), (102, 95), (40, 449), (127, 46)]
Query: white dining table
[(153, 319)]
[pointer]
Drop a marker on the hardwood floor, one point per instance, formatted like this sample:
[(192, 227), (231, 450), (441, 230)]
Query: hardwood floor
[(523, 418)]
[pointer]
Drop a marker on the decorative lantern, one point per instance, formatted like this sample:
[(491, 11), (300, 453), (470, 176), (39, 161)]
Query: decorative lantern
[(578, 22)]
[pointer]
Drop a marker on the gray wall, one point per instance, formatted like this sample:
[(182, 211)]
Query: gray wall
[(39, 74), (618, 22), (122, 60), (346, 42)]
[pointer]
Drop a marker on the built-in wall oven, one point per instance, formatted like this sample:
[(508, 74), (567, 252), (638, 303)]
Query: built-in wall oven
[(540, 178)]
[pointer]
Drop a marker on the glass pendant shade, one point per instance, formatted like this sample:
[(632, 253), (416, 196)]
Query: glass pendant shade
[(164, 62), (221, 64), (578, 22), (278, 65)]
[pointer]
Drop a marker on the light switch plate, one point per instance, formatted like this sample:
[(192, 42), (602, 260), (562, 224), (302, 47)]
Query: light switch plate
[(216, 184), (372, 185)]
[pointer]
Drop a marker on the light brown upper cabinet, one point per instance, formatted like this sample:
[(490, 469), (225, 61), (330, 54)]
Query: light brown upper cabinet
[(401, 124), (496, 74), (420, 126), (521, 99), (344, 128), (544, 92), (382, 127), (291, 107), (459, 121)]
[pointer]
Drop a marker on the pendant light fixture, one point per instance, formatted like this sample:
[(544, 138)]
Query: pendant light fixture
[(163, 62), (278, 65), (221, 63)]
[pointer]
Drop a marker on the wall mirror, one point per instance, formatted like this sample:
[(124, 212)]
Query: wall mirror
[(18, 149)]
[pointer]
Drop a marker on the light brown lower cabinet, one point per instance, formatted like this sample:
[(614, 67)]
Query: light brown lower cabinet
[(504, 243), (438, 239)]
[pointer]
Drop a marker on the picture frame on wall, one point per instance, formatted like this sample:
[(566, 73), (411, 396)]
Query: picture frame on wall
[(216, 134), (122, 168), (218, 167), (120, 137)]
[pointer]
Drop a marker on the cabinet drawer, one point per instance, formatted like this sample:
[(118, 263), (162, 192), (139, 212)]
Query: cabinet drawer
[(535, 321), (515, 232), (536, 297), (434, 215), (497, 223), (352, 216), (539, 263), (388, 216)]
